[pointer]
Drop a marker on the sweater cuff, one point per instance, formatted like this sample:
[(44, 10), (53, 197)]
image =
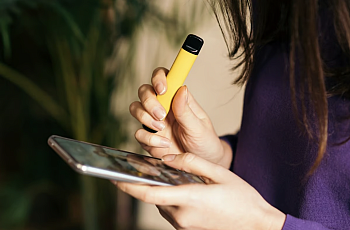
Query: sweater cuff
[(293, 223)]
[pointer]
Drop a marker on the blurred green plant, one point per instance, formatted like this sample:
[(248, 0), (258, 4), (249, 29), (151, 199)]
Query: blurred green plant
[(55, 52)]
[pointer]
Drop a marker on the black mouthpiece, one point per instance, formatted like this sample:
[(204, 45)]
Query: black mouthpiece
[(193, 44)]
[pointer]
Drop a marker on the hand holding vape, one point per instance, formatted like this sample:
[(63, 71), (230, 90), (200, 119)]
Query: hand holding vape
[(179, 71)]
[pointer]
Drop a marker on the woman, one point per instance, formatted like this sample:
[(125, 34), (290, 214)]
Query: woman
[(289, 166)]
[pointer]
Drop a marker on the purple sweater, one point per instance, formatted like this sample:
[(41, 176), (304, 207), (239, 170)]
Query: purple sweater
[(273, 155)]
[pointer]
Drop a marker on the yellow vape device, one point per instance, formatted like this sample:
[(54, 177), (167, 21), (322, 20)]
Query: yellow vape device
[(179, 70)]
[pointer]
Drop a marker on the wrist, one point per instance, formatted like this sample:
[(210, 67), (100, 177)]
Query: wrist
[(274, 219), (226, 154)]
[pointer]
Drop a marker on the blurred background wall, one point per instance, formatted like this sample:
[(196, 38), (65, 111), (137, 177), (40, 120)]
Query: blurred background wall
[(72, 68)]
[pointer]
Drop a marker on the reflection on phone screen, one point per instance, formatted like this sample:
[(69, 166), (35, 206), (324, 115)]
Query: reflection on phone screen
[(124, 162)]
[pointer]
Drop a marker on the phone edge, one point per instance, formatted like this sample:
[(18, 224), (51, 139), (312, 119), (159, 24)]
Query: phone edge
[(93, 171)]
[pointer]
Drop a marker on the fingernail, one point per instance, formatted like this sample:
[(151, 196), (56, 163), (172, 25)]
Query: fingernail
[(159, 125), (160, 89), (169, 157), (159, 113), (165, 142)]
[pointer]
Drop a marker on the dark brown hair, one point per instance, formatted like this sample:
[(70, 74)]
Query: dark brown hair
[(296, 22)]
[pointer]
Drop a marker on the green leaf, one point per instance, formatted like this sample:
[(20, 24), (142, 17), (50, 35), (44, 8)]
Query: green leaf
[(69, 20), (4, 30), (15, 207), (36, 93)]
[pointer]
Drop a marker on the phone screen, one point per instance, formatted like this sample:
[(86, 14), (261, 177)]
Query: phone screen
[(123, 162)]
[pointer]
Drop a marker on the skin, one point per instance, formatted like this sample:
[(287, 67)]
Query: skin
[(225, 201), (187, 128)]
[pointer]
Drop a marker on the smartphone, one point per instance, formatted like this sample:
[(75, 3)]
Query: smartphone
[(104, 162)]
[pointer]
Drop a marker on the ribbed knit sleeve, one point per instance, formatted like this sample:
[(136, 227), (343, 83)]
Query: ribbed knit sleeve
[(293, 223)]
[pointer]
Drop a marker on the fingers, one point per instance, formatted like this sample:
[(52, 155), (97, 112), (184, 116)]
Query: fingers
[(151, 113), (153, 140), (158, 195), (155, 151), (196, 165), (138, 111), (187, 111), (150, 103), (159, 80)]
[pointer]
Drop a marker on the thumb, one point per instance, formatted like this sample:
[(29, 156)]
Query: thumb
[(191, 163), (186, 110)]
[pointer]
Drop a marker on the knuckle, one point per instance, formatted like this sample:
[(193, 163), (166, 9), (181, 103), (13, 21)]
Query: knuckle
[(138, 135), (150, 138), (141, 140), (157, 70), (143, 116), (147, 102), (159, 75), (143, 88), (188, 157), (133, 106), (147, 196)]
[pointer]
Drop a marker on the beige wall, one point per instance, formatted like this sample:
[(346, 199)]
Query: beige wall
[(209, 81)]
